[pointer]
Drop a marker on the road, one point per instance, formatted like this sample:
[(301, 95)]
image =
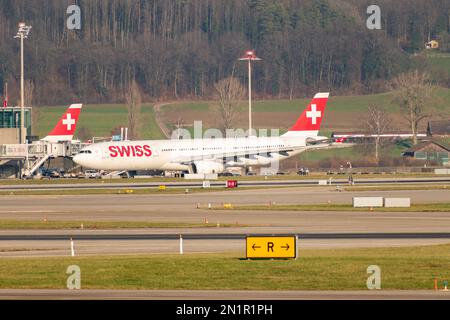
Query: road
[(162, 126)]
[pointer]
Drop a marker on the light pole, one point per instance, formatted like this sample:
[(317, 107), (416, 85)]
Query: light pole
[(250, 56), (22, 33)]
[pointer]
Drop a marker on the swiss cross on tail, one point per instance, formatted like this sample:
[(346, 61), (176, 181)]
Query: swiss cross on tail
[(66, 126), (68, 121), (308, 124)]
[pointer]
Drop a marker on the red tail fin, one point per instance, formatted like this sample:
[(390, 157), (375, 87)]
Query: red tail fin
[(311, 118), (66, 126)]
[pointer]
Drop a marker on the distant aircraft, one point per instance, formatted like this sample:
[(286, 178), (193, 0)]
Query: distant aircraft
[(210, 155), (66, 126)]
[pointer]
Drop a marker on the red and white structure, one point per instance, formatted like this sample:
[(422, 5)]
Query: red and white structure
[(308, 124)]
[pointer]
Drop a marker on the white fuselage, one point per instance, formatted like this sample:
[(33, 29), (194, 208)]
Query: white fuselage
[(196, 155)]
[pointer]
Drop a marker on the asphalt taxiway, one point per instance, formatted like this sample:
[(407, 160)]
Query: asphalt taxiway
[(249, 183), (182, 208), (224, 295)]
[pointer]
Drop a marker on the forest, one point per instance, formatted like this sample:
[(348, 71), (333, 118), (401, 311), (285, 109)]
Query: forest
[(179, 49)]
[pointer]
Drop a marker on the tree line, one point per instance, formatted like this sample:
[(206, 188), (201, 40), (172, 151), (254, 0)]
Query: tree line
[(181, 48)]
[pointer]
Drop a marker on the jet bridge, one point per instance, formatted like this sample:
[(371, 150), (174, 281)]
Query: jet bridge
[(33, 156)]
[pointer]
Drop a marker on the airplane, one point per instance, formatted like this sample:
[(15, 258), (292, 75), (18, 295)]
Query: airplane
[(205, 156), (66, 126)]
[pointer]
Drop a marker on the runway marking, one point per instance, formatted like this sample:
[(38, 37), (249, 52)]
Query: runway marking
[(28, 211)]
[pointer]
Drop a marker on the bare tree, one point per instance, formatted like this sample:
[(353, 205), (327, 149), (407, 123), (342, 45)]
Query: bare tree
[(378, 121), (134, 104), (229, 91), (413, 95)]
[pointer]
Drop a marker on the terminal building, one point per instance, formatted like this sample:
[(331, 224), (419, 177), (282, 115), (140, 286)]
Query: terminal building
[(10, 123)]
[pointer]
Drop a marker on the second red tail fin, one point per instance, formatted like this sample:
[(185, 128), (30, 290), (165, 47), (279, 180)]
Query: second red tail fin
[(308, 124)]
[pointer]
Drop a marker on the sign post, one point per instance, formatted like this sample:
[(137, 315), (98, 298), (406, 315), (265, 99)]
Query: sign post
[(281, 247)]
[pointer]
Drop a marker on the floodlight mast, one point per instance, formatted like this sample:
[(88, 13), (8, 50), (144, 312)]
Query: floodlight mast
[(22, 33), (250, 56)]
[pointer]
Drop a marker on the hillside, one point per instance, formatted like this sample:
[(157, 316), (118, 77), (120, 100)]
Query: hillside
[(180, 49)]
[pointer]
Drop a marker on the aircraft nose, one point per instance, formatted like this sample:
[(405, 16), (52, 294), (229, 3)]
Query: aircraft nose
[(78, 159)]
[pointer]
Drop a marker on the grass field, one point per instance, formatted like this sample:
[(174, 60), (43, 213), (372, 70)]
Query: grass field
[(336, 103), (439, 65), (101, 119), (345, 269), (435, 207), (341, 114), (342, 111)]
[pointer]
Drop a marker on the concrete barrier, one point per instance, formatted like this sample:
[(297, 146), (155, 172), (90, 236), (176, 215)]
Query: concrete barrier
[(206, 184), (397, 202), (366, 202), (441, 171)]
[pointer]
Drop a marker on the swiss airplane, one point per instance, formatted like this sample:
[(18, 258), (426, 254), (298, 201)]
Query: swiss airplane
[(66, 126), (210, 155)]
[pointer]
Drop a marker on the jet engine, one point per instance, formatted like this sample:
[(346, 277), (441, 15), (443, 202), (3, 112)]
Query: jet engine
[(205, 167)]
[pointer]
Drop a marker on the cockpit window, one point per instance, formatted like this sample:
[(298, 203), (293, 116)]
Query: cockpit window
[(86, 151)]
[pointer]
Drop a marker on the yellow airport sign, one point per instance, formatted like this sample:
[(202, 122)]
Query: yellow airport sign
[(271, 247)]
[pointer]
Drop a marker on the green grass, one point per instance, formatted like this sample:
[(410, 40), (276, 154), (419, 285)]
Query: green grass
[(338, 269), (55, 224), (100, 119), (336, 103), (435, 207), (194, 106), (439, 64), (342, 153)]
